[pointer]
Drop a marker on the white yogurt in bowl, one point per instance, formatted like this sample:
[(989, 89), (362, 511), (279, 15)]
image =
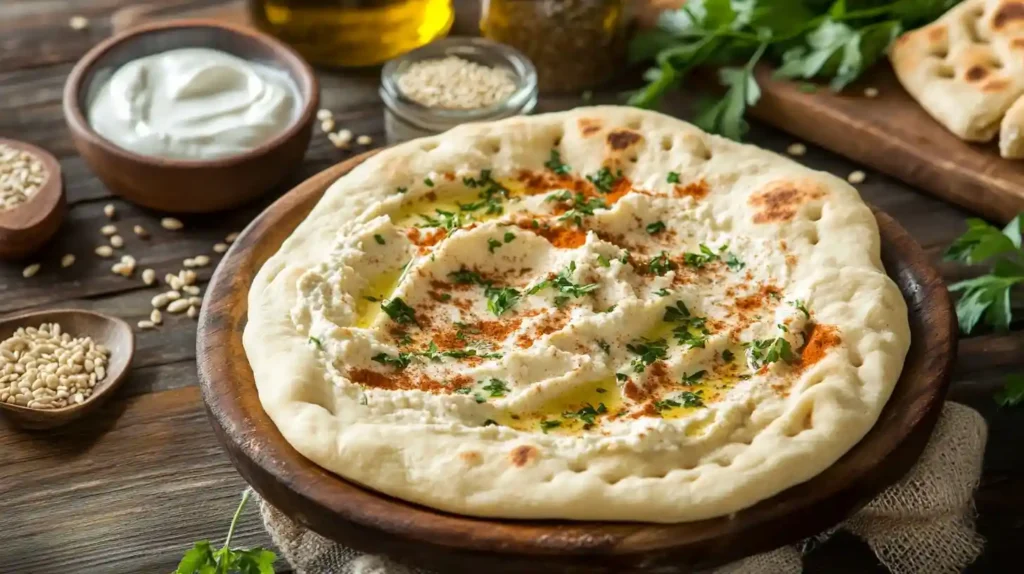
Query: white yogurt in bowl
[(193, 104)]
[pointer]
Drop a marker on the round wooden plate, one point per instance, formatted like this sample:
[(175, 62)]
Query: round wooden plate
[(372, 522)]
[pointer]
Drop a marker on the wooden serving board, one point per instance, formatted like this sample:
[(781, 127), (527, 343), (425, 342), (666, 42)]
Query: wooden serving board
[(893, 134), (375, 523)]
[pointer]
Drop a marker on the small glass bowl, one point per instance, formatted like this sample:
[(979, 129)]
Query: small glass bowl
[(405, 119)]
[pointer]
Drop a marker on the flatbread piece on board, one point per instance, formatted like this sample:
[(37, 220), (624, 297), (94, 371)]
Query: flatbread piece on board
[(967, 70)]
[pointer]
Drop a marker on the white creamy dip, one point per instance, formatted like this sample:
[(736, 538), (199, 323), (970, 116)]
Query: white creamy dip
[(193, 103)]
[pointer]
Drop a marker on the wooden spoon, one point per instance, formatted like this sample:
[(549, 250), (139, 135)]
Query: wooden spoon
[(111, 332), (25, 228)]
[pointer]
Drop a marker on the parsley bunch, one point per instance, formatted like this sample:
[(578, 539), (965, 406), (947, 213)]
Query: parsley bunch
[(986, 299), (203, 559), (834, 40)]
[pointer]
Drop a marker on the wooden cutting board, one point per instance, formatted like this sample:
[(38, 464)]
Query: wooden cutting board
[(890, 133)]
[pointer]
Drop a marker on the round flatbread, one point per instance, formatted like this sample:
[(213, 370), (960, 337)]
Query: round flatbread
[(602, 314)]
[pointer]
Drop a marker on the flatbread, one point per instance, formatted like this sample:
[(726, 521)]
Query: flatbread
[(967, 69), (620, 317)]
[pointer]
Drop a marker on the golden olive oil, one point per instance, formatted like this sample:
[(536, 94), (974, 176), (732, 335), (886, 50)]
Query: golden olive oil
[(352, 33)]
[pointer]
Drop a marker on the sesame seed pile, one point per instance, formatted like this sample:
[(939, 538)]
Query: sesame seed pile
[(45, 368), (21, 175), (455, 83)]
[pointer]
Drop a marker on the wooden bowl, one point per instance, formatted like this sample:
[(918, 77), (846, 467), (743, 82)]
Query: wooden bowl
[(28, 226), (189, 186), (111, 332), (372, 522)]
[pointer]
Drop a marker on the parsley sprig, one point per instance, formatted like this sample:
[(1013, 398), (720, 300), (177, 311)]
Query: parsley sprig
[(830, 40), (648, 352), (579, 205), (986, 298), (564, 284), (761, 352), (203, 559)]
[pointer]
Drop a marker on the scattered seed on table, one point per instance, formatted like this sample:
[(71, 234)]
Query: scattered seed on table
[(796, 149), (68, 260), (856, 177), (197, 301), (148, 276), (364, 140), (146, 324), (201, 260), (344, 137), (160, 300), (109, 229), (187, 277), (192, 313), (116, 241), (156, 316), (324, 114), (109, 210), (104, 251), (177, 306), (78, 22), (191, 289), (140, 231), (173, 295), (232, 237), (327, 125), (171, 224), (220, 247), (188, 263), (871, 92), (30, 270)]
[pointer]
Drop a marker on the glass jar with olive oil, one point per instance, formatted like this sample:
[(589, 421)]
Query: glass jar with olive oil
[(353, 33)]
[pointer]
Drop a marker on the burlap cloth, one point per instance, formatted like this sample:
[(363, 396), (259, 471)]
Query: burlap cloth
[(923, 524)]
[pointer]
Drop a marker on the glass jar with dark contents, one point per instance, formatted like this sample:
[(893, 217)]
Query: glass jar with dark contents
[(575, 44)]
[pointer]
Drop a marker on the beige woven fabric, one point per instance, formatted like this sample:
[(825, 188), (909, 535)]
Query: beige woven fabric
[(923, 524)]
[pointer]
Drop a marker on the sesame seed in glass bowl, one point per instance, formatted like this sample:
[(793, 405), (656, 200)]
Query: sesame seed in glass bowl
[(452, 82)]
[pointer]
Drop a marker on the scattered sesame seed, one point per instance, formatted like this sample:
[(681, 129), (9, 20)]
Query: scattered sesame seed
[(30, 270), (364, 140), (171, 224), (78, 22), (856, 177), (871, 92), (456, 83), (68, 260), (109, 210), (796, 149)]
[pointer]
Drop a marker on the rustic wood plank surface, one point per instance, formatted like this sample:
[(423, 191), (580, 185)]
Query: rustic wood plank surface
[(131, 487)]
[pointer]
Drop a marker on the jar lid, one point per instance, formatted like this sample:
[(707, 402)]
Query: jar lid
[(478, 50)]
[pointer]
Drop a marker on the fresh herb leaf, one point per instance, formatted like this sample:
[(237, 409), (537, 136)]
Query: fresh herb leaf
[(725, 116), (202, 559), (604, 346), (666, 404), (693, 378), (549, 425), (402, 190), (733, 262), (677, 313), (501, 299), (692, 399), (492, 194), (493, 244), (445, 219), (701, 259), (466, 277), (587, 414), (649, 351), (564, 284), (728, 356), (509, 237), (621, 377), (490, 423), (987, 297), (378, 238), (661, 264), (656, 227), (1012, 393), (555, 163), (603, 261), (317, 342), (497, 387), (800, 306), (399, 311), (428, 181), (673, 177), (663, 292), (399, 362), (603, 180), (579, 205), (463, 390), (761, 352)]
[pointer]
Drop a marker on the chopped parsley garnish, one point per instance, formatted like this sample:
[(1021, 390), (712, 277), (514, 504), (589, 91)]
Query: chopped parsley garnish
[(509, 236), (693, 378), (599, 390), (673, 177), (649, 351), (317, 342), (501, 299), (563, 284), (799, 304), (603, 180), (663, 292), (377, 237), (428, 181), (372, 299), (444, 297), (579, 205), (497, 387), (783, 328), (466, 277), (555, 163), (400, 361), (490, 422), (701, 259), (621, 377), (463, 390), (762, 352), (402, 190), (666, 404), (656, 227), (399, 312), (491, 196), (603, 261), (493, 244), (445, 219), (692, 399), (587, 414), (548, 425), (624, 258), (661, 264), (692, 331), (728, 356), (610, 309), (733, 262), (604, 346), (677, 313)]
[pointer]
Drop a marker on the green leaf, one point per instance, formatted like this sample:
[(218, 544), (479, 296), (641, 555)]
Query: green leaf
[(201, 554), (725, 116), (1012, 393)]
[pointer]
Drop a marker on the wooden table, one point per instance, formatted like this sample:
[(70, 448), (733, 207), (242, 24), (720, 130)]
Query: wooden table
[(130, 488)]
